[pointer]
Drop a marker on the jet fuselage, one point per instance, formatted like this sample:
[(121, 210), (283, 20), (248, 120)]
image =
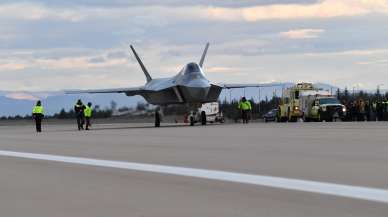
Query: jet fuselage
[(189, 86)]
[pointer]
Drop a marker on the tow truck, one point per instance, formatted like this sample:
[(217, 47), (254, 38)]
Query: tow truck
[(321, 106)]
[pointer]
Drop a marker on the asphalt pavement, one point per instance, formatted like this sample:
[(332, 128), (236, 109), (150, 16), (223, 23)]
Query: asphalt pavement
[(331, 157)]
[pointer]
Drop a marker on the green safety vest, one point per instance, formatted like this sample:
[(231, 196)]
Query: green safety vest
[(38, 110), (245, 105), (88, 112)]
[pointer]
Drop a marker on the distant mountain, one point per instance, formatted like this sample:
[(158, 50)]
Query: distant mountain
[(21, 103)]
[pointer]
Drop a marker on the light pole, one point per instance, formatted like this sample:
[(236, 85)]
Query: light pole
[(259, 98), (379, 85), (378, 90)]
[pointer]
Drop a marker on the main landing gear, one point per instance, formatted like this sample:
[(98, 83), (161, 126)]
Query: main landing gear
[(158, 116)]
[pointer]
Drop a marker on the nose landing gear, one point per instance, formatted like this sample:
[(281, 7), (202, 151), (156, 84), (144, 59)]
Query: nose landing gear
[(203, 118), (157, 119), (197, 116)]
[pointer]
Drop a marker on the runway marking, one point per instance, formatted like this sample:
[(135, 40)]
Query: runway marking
[(355, 192)]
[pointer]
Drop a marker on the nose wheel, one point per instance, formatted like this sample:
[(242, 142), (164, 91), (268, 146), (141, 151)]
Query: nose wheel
[(157, 119), (203, 118), (198, 117)]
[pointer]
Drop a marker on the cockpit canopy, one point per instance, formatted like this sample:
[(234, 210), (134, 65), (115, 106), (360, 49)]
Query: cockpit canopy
[(191, 68), (192, 72)]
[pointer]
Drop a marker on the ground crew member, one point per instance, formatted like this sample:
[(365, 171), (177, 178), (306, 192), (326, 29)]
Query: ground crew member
[(368, 110), (361, 110), (245, 107), (374, 110), (385, 109), (79, 108), (88, 115), (379, 110), (38, 114)]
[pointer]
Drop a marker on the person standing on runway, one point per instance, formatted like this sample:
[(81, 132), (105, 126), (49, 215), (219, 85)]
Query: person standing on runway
[(79, 108), (246, 108), (88, 115), (38, 114)]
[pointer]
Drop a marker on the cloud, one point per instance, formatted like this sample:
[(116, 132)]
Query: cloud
[(251, 13), (374, 62), (221, 69), (321, 9), (31, 11), (79, 63), (365, 52), (27, 60), (169, 3), (12, 66), (302, 33), (21, 96), (85, 44)]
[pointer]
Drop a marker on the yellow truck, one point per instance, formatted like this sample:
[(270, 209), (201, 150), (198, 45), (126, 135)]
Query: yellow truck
[(289, 108), (304, 101)]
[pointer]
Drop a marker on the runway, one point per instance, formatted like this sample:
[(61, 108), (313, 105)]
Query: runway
[(341, 155)]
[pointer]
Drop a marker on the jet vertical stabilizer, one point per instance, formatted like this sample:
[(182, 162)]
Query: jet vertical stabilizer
[(203, 55), (148, 76)]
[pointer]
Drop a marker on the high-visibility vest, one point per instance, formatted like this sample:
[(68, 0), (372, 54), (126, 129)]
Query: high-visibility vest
[(88, 112), (38, 110), (245, 105)]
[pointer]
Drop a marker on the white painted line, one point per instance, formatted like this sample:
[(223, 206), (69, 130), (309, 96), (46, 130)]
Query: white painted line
[(355, 192)]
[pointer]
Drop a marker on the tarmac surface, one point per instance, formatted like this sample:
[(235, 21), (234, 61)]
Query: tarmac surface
[(348, 154)]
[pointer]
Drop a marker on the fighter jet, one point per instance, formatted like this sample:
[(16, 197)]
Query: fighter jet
[(189, 87)]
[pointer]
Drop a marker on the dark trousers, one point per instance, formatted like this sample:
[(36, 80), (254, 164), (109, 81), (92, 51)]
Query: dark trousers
[(379, 115), (38, 123), (245, 116), (88, 124), (80, 122)]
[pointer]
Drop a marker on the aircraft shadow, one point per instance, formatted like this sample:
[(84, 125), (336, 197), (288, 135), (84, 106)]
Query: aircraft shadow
[(101, 128), (138, 127)]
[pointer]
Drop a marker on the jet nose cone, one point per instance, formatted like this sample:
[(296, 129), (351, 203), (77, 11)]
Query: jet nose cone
[(196, 94), (201, 93), (199, 83)]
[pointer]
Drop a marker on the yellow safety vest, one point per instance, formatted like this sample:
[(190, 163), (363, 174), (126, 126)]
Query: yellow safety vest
[(245, 105), (38, 110), (88, 112)]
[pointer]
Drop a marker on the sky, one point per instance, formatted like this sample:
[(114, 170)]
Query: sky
[(50, 45)]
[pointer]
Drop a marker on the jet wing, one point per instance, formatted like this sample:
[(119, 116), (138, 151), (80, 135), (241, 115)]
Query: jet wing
[(230, 86), (132, 91)]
